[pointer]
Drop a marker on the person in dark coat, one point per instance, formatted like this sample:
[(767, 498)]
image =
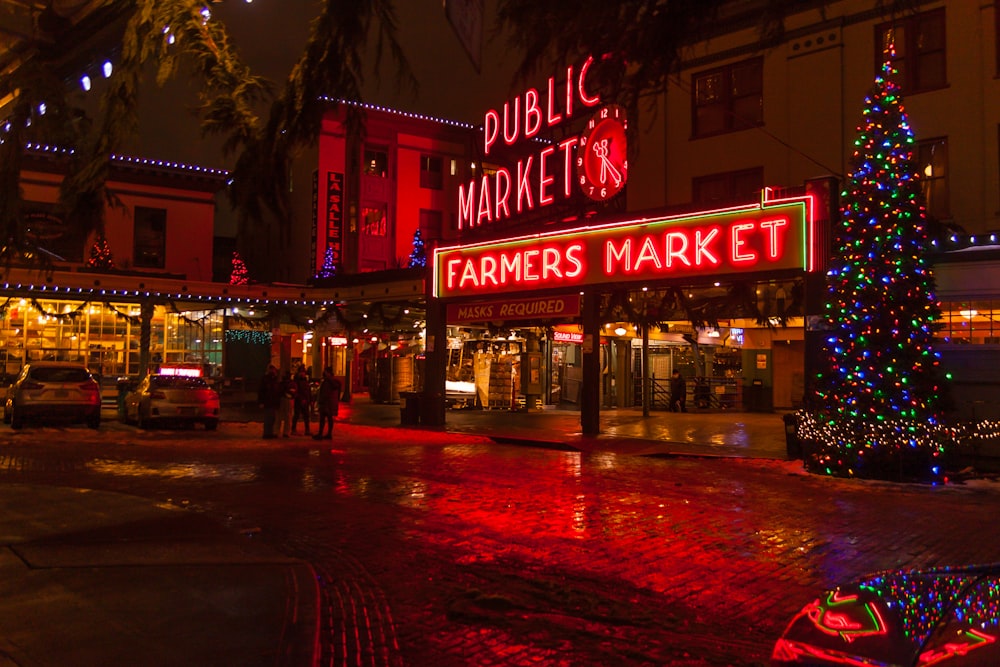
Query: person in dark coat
[(269, 398), (303, 401), (678, 393), (328, 402), (288, 389)]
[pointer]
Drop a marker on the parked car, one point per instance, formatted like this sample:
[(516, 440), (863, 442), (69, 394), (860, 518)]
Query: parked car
[(172, 399), (942, 616), (53, 391)]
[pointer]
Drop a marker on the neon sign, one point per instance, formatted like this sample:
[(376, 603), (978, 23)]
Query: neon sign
[(772, 235), (531, 182)]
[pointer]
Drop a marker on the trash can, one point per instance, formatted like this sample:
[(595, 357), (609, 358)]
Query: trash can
[(792, 445), (409, 412)]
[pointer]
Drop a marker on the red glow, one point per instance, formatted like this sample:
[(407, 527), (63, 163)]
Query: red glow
[(966, 642)]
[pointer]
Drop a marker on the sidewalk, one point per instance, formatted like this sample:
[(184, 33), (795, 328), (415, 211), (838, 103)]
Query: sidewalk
[(153, 585), (624, 431)]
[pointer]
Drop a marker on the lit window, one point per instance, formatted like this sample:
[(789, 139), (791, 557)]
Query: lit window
[(932, 164), (376, 162)]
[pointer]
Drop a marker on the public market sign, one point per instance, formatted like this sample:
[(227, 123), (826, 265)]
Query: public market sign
[(596, 159), (773, 235)]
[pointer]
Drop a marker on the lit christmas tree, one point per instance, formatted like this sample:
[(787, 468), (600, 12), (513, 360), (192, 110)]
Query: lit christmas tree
[(418, 256), (100, 254), (239, 275), (329, 269), (879, 401)]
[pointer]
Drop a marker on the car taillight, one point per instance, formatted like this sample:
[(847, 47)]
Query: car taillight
[(88, 386), (159, 395), (32, 386)]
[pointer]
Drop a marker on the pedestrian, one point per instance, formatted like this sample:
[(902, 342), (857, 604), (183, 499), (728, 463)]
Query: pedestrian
[(269, 399), (303, 400), (283, 421), (328, 402), (678, 392)]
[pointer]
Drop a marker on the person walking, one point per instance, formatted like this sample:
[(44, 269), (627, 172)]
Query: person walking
[(328, 402), (286, 405), (269, 398), (678, 392), (303, 401)]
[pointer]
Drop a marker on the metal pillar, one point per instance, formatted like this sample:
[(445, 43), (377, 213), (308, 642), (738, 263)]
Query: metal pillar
[(590, 399), (432, 402)]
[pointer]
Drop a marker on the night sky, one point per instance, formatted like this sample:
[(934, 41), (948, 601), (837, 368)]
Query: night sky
[(270, 35)]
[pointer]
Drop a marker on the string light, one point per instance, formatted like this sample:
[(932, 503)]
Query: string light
[(879, 397)]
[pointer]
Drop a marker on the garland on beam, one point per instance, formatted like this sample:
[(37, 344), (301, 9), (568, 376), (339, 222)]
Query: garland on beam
[(62, 317), (131, 319)]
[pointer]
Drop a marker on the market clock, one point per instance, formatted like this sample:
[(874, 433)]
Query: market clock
[(602, 156)]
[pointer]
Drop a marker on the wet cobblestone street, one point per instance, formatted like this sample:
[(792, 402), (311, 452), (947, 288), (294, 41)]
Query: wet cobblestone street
[(448, 549)]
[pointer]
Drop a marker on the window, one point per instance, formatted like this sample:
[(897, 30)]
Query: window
[(920, 50), (150, 237), (373, 221), (728, 187), (970, 322), (431, 172), (376, 162), (728, 98), (932, 163)]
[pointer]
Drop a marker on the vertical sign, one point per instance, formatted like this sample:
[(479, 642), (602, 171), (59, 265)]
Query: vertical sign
[(335, 214)]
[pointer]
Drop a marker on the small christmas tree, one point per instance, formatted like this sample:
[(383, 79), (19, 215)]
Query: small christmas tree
[(329, 268), (100, 254), (418, 256), (880, 397), (239, 275)]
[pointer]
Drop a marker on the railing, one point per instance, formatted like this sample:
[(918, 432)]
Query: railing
[(703, 393)]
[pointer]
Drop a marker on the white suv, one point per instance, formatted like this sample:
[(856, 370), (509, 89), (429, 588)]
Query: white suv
[(50, 391)]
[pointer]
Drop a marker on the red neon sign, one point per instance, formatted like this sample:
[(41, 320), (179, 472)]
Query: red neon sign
[(772, 235), (531, 182)]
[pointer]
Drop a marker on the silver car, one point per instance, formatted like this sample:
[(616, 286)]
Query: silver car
[(174, 399), (50, 391)]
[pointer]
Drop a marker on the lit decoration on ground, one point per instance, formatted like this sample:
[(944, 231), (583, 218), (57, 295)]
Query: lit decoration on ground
[(880, 396), (845, 616), (918, 617)]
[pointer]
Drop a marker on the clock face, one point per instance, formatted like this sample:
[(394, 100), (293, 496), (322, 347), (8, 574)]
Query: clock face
[(602, 156)]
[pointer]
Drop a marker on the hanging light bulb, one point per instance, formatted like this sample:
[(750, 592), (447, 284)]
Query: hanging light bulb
[(85, 82), (107, 68)]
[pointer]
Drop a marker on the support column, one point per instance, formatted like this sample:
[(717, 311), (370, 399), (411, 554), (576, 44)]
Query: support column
[(432, 401), (145, 336), (590, 394), (646, 384)]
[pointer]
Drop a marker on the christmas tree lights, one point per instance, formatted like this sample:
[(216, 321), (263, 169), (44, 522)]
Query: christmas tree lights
[(100, 254), (879, 398), (329, 268), (418, 256), (239, 275)]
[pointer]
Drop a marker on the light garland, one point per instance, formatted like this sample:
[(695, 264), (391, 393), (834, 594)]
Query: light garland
[(248, 336)]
